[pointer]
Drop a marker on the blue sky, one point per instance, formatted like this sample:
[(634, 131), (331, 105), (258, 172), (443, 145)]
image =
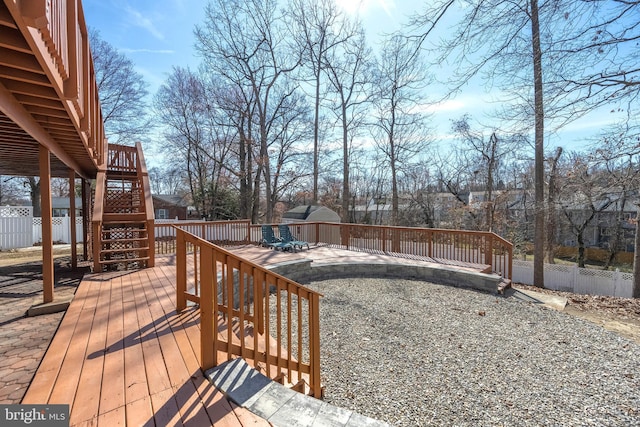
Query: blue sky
[(158, 34)]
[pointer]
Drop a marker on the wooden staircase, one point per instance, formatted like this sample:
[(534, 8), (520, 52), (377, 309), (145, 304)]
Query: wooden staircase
[(123, 220)]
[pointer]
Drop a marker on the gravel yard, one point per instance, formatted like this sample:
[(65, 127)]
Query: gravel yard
[(415, 353)]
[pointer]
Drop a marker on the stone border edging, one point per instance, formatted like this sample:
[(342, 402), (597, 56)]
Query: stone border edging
[(305, 271), (279, 405)]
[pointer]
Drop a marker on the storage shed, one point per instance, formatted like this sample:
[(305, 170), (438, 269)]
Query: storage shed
[(310, 213)]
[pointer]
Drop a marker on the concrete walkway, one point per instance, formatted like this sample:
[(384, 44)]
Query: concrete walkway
[(277, 404)]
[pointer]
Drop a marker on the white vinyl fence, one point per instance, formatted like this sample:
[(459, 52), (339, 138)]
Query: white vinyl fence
[(16, 227), (61, 229), (570, 278), (19, 229)]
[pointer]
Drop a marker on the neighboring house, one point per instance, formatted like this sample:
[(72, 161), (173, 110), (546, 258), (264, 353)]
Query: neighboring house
[(60, 207), (310, 213), (170, 206)]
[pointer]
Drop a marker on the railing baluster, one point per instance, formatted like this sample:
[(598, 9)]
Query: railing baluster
[(289, 322), (299, 329)]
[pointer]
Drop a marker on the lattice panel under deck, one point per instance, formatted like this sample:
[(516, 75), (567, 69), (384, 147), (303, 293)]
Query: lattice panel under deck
[(122, 201)]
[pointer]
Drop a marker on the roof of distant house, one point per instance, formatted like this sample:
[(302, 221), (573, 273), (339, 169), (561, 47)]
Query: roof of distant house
[(63, 203), (173, 199)]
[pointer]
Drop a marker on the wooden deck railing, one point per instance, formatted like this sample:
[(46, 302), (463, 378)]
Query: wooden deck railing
[(147, 201), (473, 247), (461, 246), (218, 232), (248, 311)]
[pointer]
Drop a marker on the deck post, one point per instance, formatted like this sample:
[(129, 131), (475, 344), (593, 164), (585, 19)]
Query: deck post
[(488, 249), (86, 208), (207, 349), (47, 235), (72, 217), (344, 235), (181, 271), (314, 341)]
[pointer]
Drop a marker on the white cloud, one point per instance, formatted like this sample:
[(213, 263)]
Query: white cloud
[(139, 20)]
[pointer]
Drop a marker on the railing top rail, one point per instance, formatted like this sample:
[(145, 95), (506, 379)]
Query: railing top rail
[(195, 239), (404, 228), (180, 222)]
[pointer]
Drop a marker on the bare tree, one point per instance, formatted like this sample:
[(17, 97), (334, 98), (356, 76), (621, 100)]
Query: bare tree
[(419, 187), (122, 91), (522, 46), (586, 191), (552, 203), (183, 107), (485, 157), (244, 42), (11, 190), (168, 179), (400, 128), (618, 150), (349, 73), (319, 29)]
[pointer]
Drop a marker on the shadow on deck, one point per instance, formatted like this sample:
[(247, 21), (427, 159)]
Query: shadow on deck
[(123, 355)]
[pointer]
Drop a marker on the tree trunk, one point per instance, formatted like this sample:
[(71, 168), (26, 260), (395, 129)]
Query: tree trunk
[(636, 258), (551, 208), (345, 167), (614, 244), (34, 193), (316, 125), (580, 259), (538, 261)]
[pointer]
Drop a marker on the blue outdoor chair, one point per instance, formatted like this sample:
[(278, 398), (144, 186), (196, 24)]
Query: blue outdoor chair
[(269, 240), (286, 236)]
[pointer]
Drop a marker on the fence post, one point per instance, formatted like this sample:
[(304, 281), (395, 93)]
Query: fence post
[(395, 240), (488, 250), (616, 281), (344, 235)]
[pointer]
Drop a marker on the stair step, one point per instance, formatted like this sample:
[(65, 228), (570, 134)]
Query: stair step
[(125, 225), (123, 260), (124, 217), (123, 250), (125, 240), (114, 175)]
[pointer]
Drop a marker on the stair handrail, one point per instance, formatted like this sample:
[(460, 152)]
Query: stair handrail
[(230, 287), (96, 219), (143, 178)]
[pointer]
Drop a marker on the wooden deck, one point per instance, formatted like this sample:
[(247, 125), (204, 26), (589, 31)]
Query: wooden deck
[(123, 356)]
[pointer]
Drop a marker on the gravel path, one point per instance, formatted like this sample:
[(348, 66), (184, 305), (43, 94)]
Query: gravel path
[(415, 353)]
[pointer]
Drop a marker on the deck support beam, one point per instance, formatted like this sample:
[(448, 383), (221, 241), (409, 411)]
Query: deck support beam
[(72, 215), (86, 210), (47, 235)]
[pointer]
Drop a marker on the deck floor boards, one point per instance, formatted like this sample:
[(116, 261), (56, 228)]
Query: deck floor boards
[(123, 356)]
